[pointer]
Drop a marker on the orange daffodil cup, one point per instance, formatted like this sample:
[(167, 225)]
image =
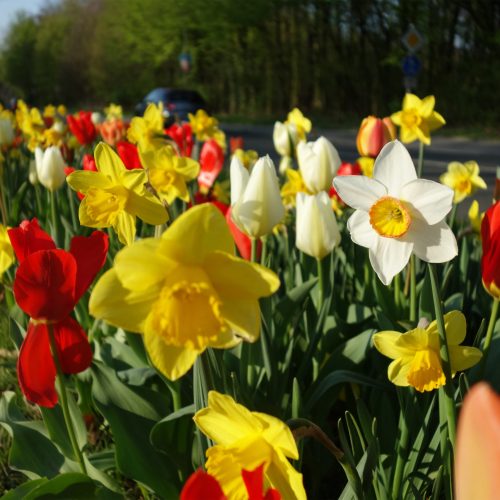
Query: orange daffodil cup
[(157, 283), (398, 214)]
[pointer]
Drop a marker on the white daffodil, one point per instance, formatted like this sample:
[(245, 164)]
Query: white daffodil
[(397, 213)]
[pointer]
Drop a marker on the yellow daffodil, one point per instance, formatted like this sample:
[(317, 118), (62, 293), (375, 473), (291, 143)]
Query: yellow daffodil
[(62, 110), (31, 124), (114, 196), (113, 111), (366, 163), (169, 173), (463, 178), (417, 119), (49, 111), (294, 184), (6, 250), (185, 291), (475, 217), (245, 440), (302, 124), (147, 131), (247, 158), (203, 125), (416, 353), (220, 138)]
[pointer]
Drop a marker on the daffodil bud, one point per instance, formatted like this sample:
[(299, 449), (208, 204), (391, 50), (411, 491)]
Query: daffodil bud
[(50, 167), (255, 197), (318, 163), (317, 233), (6, 132), (285, 138), (374, 133)]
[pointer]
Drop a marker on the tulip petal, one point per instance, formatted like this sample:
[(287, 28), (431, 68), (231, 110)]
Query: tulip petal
[(389, 256), (118, 306), (394, 168), (44, 287), (202, 485), (435, 243), (239, 179), (430, 200), (362, 232), (359, 191), (90, 255), (73, 346), (29, 237), (36, 371)]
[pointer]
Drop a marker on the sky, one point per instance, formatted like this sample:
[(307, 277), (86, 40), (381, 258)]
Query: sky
[(8, 9)]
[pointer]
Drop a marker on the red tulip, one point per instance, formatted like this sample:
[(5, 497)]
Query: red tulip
[(200, 198), (48, 284), (254, 482), (211, 162), (82, 127), (374, 133), (345, 169), (235, 143), (490, 263), (129, 155), (88, 163), (243, 242), (202, 485), (183, 136)]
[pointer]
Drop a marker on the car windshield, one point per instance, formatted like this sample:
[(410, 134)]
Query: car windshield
[(156, 95)]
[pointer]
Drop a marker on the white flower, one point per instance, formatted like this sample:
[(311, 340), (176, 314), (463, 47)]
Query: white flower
[(317, 233), (285, 138), (397, 213), (50, 167), (96, 118), (318, 163), (255, 198)]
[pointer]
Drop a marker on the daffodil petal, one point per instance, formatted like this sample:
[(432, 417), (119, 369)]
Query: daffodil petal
[(463, 357), (389, 256), (124, 225), (408, 135), (279, 434), (283, 477), (359, 191), (147, 208), (398, 370), (386, 344), (430, 200), (394, 168), (411, 101), (396, 118), (455, 326), (196, 234), (108, 162), (85, 218), (82, 180), (118, 306), (360, 229), (243, 316), (426, 106), (435, 121)]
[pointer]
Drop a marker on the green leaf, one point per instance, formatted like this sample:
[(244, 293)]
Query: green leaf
[(425, 303), (22, 490), (71, 485)]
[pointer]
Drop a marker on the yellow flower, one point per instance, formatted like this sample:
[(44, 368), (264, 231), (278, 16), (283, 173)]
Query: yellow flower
[(6, 250), (168, 173), (366, 163), (463, 178), (31, 124), (221, 192), (294, 184), (417, 119), (147, 131), (114, 196), (49, 111), (416, 353), (113, 111), (185, 291), (247, 158), (61, 110), (475, 217), (204, 126), (245, 440), (220, 138), (302, 124)]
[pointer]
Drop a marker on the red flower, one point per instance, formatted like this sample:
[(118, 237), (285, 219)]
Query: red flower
[(82, 127), (254, 482), (88, 163), (200, 198), (129, 155), (345, 169), (243, 242), (183, 136), (235, 143), (49, 282), (211, 162), (490, 263)]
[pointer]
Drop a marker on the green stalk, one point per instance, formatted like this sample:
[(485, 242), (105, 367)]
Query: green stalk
[(53, 213), (397, 287), (321, 282), (413, 290), (263, 256), (402, 450), (444, 355), (253, 253), (72, 208), (489, 332), (453, 214), (64, 401), (420, 166)]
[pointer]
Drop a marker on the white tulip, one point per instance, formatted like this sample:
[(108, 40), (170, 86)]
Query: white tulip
[(6, 132), (50, 167), (96, 118), (318, 163), (317, 233), (285, 138), (255, 198)]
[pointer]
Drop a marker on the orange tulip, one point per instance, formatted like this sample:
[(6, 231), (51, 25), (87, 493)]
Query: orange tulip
[(113, 131), (374, 133), (478, 445)]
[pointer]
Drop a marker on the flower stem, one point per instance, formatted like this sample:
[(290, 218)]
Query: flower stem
[(53, 213), (321, 282), (453, 214), (489, 331), (413, 290), (420, 166), (64, 401), (397, 286), (444, 355), (253, 253), (402, 448), (263, 256)]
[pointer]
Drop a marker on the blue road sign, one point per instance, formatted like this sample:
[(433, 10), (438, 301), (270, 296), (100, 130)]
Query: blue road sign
[(411, 65)]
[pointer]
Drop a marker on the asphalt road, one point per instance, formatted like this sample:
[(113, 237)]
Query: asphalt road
[(442, 151)]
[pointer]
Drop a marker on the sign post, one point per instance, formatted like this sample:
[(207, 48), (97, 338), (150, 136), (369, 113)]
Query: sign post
[(411, 64)]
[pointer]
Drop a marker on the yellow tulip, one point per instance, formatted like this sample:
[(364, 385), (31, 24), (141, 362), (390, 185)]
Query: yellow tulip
[(463, 178), (114, 196), (475, 217), (146, 131), (6, 250), (185, 291), (417, 119), (416, 353), (245, 440)]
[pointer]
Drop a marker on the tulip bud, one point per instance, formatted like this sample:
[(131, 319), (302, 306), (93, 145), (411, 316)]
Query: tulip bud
[(6, 132), (285, 138), (318, 163), (374, 133), (255, 197), (59, 127), (32, 175), (96, 118), (50, 167), (317, 233)]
